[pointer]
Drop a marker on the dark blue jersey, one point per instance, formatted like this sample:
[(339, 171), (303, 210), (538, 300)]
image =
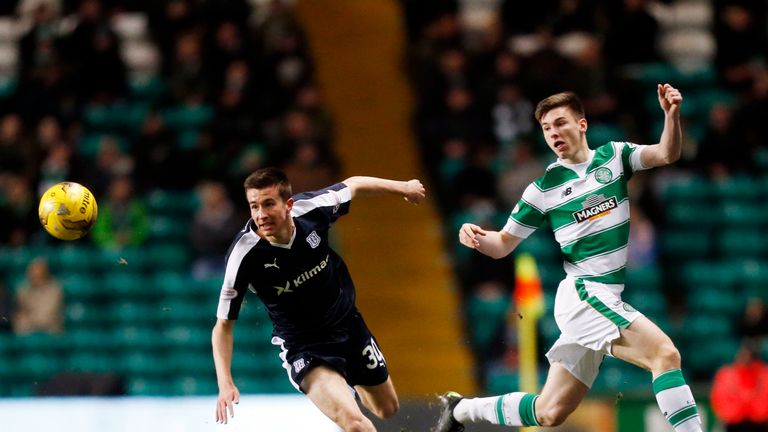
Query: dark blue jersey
[(304, 285)]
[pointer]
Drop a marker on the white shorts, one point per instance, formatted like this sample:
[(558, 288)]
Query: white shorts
[(589, 315)]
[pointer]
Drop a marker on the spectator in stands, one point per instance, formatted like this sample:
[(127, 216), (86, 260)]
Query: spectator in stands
[(6, 308), (214, 224), (123, 220), (740, 391), (187, 72), (17, 154), (754, 321), (110, 162), (310, 168), (720, 134), (741, 42), (93, 53), (39, 301), (18, 211)]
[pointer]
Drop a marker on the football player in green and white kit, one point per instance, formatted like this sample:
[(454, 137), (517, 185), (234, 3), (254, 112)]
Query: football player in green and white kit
[(583, 197)]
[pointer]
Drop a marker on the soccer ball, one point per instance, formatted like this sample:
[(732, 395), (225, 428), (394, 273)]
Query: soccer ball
[(68, 210)]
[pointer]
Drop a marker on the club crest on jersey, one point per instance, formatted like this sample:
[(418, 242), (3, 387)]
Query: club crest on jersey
[(595, 206), (313, 239), (603, 175)]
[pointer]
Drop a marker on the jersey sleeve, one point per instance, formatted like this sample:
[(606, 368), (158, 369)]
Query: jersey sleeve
[(630, 157), (328, 204), (526, 217), (236, 279)]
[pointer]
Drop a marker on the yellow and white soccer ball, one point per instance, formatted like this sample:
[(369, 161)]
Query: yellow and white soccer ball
[(68, 210)]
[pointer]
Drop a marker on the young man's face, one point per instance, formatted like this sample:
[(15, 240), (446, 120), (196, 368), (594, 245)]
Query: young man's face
[(269, 211), (563, 131)]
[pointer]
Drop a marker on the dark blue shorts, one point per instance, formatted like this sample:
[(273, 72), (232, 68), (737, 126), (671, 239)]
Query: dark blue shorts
[(354, 353)]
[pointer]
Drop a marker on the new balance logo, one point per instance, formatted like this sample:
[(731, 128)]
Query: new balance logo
[(566, 192), (274, 264)]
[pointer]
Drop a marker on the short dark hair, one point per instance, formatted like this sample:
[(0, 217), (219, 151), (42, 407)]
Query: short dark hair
[(270, 176), (566, 99)]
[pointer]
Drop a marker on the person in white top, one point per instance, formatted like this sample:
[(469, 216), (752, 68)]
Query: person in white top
[(583, 198)]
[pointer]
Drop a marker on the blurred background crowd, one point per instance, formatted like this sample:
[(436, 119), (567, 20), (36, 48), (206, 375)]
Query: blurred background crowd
[(162, 108)]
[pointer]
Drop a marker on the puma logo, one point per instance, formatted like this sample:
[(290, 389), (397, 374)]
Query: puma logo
[(274, 264)]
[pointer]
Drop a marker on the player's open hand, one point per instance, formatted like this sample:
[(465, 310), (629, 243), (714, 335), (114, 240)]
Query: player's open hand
[(414, 191), (468, 235), (670, 99), (229, 396)]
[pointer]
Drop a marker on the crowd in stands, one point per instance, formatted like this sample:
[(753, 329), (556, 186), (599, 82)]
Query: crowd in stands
[(162, 109), (130, 96), (142, 100), (478, 69)]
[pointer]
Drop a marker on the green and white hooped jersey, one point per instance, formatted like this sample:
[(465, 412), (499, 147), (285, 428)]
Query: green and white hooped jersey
[(588, 209)]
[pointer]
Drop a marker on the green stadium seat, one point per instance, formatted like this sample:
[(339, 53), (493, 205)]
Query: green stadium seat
[(699, 273), (168, 256), (90, 144), (172, 203), (146, 363), (684, 244), (188, 314), (126, 284), (7, 87), (649, 301), (100, 337), (144, 386), (740, 243), (85, 314), (139, 337), (186, 336), (185, 117), (690, 213), (73, 259), (703, 356), (739, 189), (127, 259), (601, 133), (172, 285), (549, 330), (644, 278), (194, 385), (147, 88), (617, 376), (713, 300), (82, 287), (197, 362), (744, 214), (486, 316), (689, 190), (136, 312), (165, 228), (542, 246), (35, 366), (95, 360)]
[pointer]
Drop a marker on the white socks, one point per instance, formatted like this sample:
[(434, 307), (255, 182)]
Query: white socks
[(676, 401), (512, 409)]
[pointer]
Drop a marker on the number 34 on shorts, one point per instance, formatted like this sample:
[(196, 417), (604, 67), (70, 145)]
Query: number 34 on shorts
[(374, 356)]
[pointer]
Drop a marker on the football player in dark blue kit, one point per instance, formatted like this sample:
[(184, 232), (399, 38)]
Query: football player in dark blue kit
[(283, 256)]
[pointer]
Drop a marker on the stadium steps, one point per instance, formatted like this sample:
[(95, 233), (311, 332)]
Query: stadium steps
[(406, 289)]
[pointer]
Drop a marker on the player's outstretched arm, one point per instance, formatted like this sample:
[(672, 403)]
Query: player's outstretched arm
[(412, 190), (667, 151), (495, 244), (229, 395)]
